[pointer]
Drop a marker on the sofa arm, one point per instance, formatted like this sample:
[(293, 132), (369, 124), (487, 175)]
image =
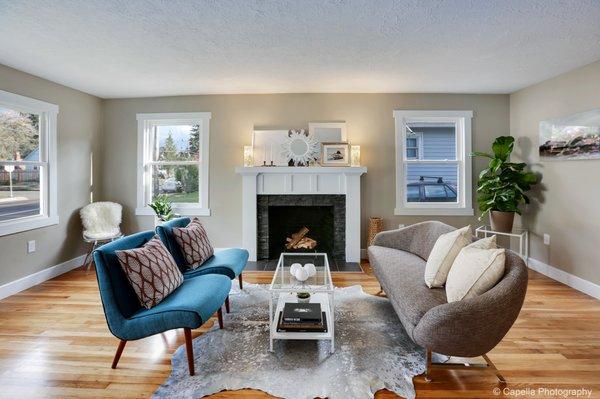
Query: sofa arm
[(474, 326), (417, 238)]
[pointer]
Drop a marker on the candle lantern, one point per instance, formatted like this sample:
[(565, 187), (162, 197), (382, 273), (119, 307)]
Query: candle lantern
[(355, 155), (248, 156)]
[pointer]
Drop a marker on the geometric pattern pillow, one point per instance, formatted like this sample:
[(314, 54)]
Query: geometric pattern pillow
[(194, 243), (151, 270)]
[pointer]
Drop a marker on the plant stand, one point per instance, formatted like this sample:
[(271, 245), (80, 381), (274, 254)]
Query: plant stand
[(522, 235)]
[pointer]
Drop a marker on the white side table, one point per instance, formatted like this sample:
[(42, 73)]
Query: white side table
[(522, 235)]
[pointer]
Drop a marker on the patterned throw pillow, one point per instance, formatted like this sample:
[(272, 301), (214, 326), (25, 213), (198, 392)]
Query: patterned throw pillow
[(151, 270), (194, 243)]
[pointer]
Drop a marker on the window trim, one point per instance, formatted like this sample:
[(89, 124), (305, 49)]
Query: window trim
[(462, 119), (48, 159), (144, 157)]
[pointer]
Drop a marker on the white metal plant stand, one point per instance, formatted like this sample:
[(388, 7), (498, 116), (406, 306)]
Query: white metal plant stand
[(521, 234), (284, 287)]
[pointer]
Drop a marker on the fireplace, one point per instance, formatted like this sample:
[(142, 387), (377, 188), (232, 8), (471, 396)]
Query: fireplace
[(321, 218)]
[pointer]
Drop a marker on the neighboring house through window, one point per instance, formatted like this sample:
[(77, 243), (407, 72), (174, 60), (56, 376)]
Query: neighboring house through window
[(28, 170), (433, 168), (173, 161)]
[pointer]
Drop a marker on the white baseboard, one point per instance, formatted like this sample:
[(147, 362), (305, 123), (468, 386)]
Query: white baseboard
[(587, 287), (23, 283)]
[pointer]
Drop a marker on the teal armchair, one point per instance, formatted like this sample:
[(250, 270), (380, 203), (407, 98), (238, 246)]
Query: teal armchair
[(188, 307)]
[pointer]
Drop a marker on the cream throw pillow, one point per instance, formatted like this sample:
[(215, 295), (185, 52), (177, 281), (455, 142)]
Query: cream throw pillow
[(484, 243), (475, 271), (444, 251)]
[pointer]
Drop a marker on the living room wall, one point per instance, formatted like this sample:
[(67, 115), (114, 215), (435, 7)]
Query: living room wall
[(369, 122), (79, 132), (567, 200)]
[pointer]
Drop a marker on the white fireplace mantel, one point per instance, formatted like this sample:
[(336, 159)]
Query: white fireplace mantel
[(297, 181)]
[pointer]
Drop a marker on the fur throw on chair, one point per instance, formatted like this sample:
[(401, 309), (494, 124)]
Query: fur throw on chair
[(101, 220)]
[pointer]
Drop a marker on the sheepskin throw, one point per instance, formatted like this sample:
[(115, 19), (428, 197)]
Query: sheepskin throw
[(101, 219), (151, 270), (194, 243)]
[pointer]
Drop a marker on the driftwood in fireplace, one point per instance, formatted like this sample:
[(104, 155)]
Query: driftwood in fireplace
[(300, 241)]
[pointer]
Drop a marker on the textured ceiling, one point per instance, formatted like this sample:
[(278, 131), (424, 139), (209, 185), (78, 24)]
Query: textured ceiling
[(131, 48)]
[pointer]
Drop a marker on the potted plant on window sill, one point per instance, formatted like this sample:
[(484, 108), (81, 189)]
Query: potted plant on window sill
[(502, 185), (162, 207)]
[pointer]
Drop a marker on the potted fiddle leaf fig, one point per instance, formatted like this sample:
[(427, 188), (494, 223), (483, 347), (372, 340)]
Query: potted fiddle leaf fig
[(502, 185), (161, 205)]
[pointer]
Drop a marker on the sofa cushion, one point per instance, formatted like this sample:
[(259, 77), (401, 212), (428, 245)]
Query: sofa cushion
[(229, 262), (151, 270), (475, 271), (194, 243), (400, 274), (444, 251)]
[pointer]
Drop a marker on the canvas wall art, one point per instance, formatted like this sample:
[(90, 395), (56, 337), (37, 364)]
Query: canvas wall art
[(575, 136)]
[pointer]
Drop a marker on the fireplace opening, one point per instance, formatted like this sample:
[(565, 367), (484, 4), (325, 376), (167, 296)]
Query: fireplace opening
[(312, 224)]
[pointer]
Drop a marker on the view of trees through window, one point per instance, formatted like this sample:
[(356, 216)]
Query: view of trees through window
[(20, 178), (175, 170)]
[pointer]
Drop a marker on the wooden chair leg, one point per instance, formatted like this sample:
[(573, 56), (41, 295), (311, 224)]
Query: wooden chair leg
[(220, 317), (189, 350), (240, 281), (118, 354), (227, 304)]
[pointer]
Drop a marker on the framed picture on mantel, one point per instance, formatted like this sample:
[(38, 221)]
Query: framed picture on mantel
[(335, 154)]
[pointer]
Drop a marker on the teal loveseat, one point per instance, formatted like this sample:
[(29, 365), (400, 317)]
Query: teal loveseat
[(188, 307)]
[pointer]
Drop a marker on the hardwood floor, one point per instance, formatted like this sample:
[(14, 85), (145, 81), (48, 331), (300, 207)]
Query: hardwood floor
[(54, 342)]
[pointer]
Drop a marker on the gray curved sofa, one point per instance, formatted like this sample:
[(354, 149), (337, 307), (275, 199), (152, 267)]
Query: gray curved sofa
[(467, 328)]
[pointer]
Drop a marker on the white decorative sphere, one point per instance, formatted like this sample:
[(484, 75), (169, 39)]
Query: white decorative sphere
[(311, 269), (294, 268), (301, 274)]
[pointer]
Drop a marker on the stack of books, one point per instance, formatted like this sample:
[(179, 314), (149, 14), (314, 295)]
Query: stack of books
[(302, 317)]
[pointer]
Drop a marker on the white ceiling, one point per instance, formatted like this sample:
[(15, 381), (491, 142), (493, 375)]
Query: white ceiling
[(134, 48)]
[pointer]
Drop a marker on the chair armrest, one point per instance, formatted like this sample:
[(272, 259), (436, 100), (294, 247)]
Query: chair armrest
[(417, 238), (474, 326)]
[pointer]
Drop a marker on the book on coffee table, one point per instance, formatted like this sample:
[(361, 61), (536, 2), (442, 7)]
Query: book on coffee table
[(302, 327), (302, 313)]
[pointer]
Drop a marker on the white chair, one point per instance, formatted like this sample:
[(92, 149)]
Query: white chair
[(101, 221)]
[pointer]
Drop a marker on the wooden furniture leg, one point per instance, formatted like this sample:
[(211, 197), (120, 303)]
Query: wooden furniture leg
[(118, 353), (189, 350), (220, 317), (227, 304), (240, 281)]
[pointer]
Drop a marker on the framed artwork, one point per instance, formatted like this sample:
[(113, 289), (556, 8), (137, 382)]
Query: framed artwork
[(335, 154), (328, 132), (268, 145), (572, 137)]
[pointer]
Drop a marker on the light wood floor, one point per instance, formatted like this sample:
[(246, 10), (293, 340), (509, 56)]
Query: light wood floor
[(54, 342)]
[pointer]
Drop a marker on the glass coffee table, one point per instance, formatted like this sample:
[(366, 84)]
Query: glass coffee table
[(284, 287)]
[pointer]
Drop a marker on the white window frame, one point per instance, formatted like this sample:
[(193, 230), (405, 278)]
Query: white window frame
[(48, 116), (146, 122), (462, 121)]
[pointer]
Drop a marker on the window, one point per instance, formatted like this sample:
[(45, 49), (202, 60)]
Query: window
[(173, 161), (433, 168), (27, 163)]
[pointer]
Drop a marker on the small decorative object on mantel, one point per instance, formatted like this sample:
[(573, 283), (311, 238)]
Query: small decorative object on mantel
[(335, 154), (375, 226), (248, 156), (355, 155), (300, 148), (501, 187)]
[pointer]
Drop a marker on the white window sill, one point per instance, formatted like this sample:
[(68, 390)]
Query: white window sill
[(186, 211), (25, 224), (435, 211)]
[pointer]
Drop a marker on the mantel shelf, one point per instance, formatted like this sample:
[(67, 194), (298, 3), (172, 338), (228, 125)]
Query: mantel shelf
[(347, 170)]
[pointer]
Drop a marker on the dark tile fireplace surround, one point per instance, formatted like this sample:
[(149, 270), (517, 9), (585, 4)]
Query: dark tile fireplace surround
[(279, 216)]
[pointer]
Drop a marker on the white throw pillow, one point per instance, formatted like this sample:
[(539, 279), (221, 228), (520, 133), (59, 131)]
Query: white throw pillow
[(475, 271), (484, 243), (444, 251)]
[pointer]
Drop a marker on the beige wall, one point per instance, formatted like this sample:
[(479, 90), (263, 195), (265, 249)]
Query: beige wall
[(79, 126), (568, 199), (369, 121)]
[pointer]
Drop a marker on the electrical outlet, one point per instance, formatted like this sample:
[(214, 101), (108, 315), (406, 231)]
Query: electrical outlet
[(30, 246), (547, 239)]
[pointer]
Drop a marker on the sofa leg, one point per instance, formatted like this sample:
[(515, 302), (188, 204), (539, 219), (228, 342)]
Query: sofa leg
[(189, 350), (227, 304), (428, 369), (240, 281), (492, 366), (220, 317), (118, 353)]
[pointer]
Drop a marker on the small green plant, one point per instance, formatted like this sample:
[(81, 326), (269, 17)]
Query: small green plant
[(161, 205), (503, 184), (303, 295)]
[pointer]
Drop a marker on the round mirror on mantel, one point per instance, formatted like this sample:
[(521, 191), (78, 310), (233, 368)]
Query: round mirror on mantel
[(300, 147)]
